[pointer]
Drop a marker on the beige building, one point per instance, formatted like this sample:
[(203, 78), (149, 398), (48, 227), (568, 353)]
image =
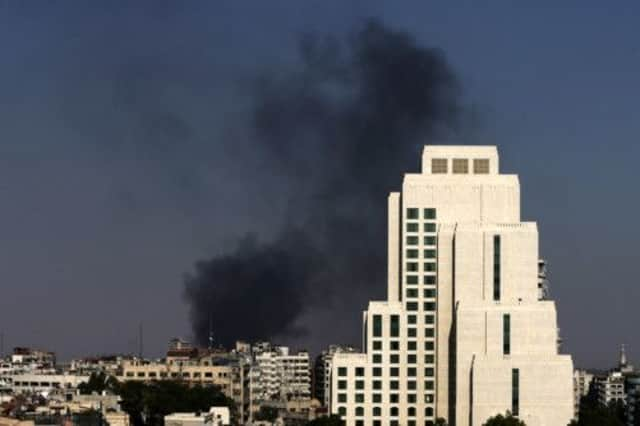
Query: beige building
[(465, 332)]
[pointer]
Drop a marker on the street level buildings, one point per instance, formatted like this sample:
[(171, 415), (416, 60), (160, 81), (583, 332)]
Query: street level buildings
[(467, 331)]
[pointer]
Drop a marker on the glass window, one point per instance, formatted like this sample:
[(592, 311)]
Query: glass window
[(412, 385), (394, 345), (411, 412), (359, 371), (395, 326), (394, 359), (394, 411), (376, 397), (377, 384), (377, 345), (429, 254), (360, 397), (428, 398), (429, 319), (412, 227), (411, 319), (359, 422), (429, 306), (394, 398), (481, 166), (412, 279), (342, 411), (428, 332), (429, 293), (428, 346), (377, 411), (412, 306), (429, 227), (377, 326), (429, 267), (411, 332), (496, 267), (411, 345), (428, 384), (412, 253), (412, 240), (342, 371), (394, 371), (428, 372), (413, 213), (428, 411), (377, 358), (411, 372), (359, 411), (429, 213), (377, 371), (394, 385), (438, 165), (515, 392), (342, 397), (412, 267), (428, 359), (342, 384), (430, 241), (506, 334), (429, 279), (411, 358), (460, 166)]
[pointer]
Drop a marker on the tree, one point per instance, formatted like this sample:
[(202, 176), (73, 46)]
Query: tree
[(332, 420), (267, 414), (507, 420), (98, 382)]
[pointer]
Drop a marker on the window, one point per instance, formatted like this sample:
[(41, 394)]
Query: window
[(395, 326), (394, 371), (377, 358), (413, 213), (412, 279), (411, 412), (438, 165), (394, 345), (429, 319), (394, 359), (412, 254), (428, 412), (358, 422), (359, 411), (394, 410), (430, 214), (412, 267), (515, 392), (496, 267), (411, 359), (342, 384), (430, 254), (481, 166), (429, 279), (460, 166), (428, 332), (428, 359), (411, 332), (429, 306), (506, 334), (377, 371), (412, 385), (429, 267), (428, 372), (394, 385), (428, 384), (377, 412), (377, 423), (376, 397), (412, 227), (359, 371), (412, 240), (377, 345), (342, 397), (412, 306), (428, 346), (412, 371), (430, 241), (429, 227), (411, 319), (360, 398), (429, 293), (342, 411), (411, 345), (377, 326), (377, 384)]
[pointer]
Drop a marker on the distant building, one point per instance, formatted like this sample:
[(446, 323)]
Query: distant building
[(582, 380), (33, 357), (43, 383), (278, 375), (322, 372), (611, 387), (217, 416)]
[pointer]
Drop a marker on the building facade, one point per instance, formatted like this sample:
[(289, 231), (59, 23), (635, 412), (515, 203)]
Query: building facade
[(582, 380), (322, 372), (465, 332)]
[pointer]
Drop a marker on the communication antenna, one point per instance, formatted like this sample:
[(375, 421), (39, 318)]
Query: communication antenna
[(210, 333), (140, 341)]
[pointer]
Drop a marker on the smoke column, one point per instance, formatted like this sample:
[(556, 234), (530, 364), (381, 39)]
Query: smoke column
[(342, 128)]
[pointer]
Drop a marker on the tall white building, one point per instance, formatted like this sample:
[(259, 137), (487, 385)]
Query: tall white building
[(465, 332)]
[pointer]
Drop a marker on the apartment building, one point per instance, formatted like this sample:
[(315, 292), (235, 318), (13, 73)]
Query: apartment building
[(322, 372), (466, 331)]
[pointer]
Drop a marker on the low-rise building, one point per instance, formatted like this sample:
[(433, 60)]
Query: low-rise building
[(581, 384), (322, 372), (217, 416)]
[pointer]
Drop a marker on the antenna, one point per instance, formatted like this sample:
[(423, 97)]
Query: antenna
[(210, 334), (140, 342), (1, 345)]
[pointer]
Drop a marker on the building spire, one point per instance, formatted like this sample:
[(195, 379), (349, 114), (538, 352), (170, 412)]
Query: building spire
[(623, 356)]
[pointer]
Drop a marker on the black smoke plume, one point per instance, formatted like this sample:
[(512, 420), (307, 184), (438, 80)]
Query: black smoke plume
[(342, 130)]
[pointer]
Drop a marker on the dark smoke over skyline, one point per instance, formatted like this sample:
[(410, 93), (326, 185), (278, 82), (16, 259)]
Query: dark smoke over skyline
[(343, 127)]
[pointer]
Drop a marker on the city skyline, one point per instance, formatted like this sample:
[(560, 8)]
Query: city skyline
[(104, 212)]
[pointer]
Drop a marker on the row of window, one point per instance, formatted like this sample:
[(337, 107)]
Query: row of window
[(428, 266), (415, 227), (393, 385), (392, 422), (427, 253), (428, 240), (427, 292), (460, 166), (426, 279), (414, 213), (395, 359), (393, 411), (427, 306), (394, 398), (393, 372), (153, 374)]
